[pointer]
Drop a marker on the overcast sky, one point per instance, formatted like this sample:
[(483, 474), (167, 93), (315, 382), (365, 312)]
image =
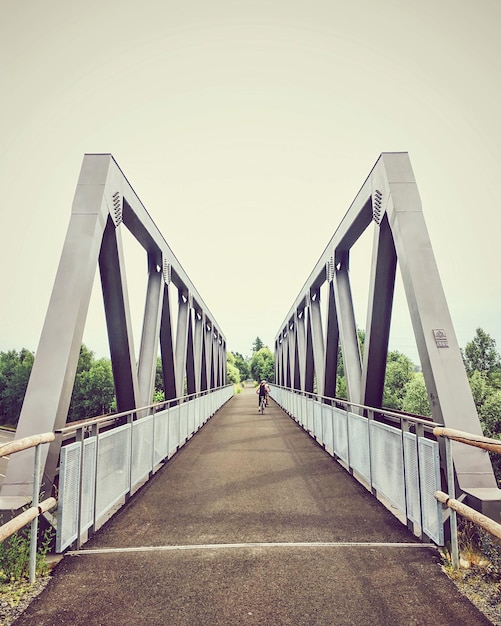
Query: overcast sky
[(247, 128)]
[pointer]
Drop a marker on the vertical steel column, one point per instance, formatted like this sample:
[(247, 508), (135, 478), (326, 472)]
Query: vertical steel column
[(190, 357), (147, 365), (48, 394), (291, 343), (332, 345), (181, 341), (208, 354), (317, 335), (116, 306), (441, 360), (301, 347), (279, 348), (349, 338), (377, 330), (167, 347), (198, 349), (309, 370), (223, 362), (215, 360), (34, 522)]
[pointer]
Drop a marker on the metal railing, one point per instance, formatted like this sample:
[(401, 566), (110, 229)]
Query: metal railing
[(37, 508), (449, 499), (394, 455), (107, 459)]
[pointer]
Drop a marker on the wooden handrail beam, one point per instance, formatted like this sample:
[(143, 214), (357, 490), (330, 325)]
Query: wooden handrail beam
[(25, 442), (478, 441), (467, 512)]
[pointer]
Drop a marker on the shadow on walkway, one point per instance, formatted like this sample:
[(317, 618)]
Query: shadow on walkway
[(252, 523)]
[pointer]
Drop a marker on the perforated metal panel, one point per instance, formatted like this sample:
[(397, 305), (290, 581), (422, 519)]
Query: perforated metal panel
[(302, 410), (358, 438), (429, 475), (173, 430), (123, 457), (161, 434), (69, 487), (411, 466), (327, 419), (192, 406), (88, 483), (142, 446), (309, 415), (183, 423), (317, 421), (341, 434), (388, 463), (295, 406), (199, 412), (113, 468)]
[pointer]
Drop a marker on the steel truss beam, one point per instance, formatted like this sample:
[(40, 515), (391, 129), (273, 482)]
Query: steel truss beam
[(388, 200), (103, 205)]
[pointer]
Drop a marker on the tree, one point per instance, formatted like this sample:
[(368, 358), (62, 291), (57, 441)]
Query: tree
[(15, 370), (94, 388), (159, 381), (262, 365), (257, 345), (480, 353), (232, 372), (415, 399), (399, 371), (243, 366)]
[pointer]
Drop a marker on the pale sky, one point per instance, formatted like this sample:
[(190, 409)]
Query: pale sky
[(247, 128)]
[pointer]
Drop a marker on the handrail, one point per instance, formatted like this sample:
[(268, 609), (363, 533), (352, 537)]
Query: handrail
[(482, 520), (449, 500), (25, 443), (400, 416), (114, 416), (30, 515), (478, 441), (27, 516)]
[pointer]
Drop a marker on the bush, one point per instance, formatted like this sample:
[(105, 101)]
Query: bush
[(15, 555)]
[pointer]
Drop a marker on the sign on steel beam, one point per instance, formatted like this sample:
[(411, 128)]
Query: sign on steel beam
[(104, 204)]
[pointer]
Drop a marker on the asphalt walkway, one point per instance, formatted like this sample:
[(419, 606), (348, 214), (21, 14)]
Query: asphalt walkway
[(251, 523)]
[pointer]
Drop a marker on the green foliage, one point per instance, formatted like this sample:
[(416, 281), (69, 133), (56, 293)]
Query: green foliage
[(15, 555), (490, 413), (159, 379), (257, 345), (15, 370), (480, 353), (416, 399), (262, 365), (232, 371), (158, 396), (243, 366), (399, 372), (94, 389), (341, 391)]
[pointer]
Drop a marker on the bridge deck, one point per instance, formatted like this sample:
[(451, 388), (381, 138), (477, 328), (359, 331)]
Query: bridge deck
[(252, 479)]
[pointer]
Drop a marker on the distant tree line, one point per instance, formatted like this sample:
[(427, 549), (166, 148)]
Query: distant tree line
[(260, 366), (404, 389)]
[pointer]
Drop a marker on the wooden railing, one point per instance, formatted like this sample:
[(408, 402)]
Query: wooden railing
[(449, 500), (31, 514)]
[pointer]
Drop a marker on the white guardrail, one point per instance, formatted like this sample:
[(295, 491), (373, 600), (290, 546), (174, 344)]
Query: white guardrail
[(399, 465), (108, 462)]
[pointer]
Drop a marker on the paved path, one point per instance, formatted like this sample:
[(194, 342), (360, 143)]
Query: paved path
[(252, 523)]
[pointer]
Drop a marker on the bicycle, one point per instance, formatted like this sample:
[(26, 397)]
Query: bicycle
[(262, 404)]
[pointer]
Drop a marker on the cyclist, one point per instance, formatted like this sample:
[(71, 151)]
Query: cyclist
[(263, 390)]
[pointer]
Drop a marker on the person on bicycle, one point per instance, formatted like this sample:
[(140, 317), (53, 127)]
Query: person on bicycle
[(263, 390)]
